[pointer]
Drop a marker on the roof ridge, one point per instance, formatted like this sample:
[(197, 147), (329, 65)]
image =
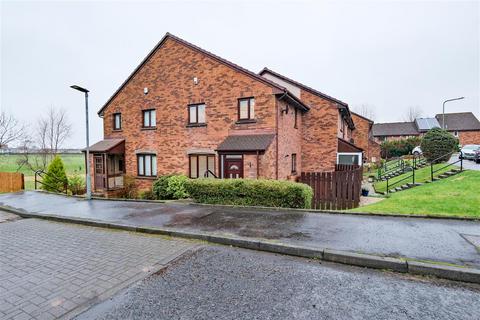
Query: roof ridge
[(197, 48)]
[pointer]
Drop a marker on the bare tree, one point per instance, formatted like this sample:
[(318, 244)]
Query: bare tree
[(49, 135), (412, 113), (365, 110), (10, 129)]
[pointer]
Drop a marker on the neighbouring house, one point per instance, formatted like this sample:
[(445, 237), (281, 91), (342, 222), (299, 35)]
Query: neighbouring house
[(463, 125), (363, 138), (185, 110)]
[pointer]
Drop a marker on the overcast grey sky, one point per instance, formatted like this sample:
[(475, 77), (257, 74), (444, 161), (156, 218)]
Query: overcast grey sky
[(389, 55)]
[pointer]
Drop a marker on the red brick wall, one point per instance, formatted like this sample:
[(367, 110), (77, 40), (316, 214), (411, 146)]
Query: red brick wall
[(469, 137), (361, 134), (289, 141), (319, 134), (168, 75)]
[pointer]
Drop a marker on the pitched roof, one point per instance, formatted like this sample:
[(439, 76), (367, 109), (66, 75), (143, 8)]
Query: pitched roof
[(459, 121), (360, 116), (279, 89), (394, 129), (252, 142), (105, 145), (306, 88)]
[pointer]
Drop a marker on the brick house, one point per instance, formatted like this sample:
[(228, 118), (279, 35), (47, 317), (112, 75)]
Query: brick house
[(363, 138), (463, 125), (186, 110)]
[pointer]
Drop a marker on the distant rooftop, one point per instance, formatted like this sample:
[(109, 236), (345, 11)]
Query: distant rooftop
[(459, 121), (425, 124)]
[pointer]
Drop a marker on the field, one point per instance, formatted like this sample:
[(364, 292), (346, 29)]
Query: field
[(74, 163), (454, 196)]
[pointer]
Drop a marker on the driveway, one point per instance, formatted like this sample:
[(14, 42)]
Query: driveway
[(467, 164), (425, 239), (50, 270)]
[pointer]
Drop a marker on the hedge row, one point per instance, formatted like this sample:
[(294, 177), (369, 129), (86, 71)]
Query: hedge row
[(261, 192), (398, 148)]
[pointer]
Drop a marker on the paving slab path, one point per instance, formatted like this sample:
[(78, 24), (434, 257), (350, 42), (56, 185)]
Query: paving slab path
[(51, 270), (424, 239)]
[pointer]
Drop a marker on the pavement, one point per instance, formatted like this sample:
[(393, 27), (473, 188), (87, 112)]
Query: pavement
[(228, 283), (50, 270), (439, 240), (467, 164)]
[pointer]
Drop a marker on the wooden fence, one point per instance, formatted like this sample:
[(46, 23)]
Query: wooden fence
[(337, 190), (11, 181)]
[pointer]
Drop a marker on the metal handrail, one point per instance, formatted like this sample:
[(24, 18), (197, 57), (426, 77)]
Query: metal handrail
[(205, 175), (40, 173), (448, 165)]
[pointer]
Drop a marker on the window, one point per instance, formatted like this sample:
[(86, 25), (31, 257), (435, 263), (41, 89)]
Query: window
[(117, 121), (455, 133), (294, 162), (149, 118), (196, 113), (246, 109), (147, 165), (200, 164), (295, 114)]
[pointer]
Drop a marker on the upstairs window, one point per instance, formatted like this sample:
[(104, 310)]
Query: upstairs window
[(149, 118), (196, 113), (147, 165), (246, 109), (117, 121)]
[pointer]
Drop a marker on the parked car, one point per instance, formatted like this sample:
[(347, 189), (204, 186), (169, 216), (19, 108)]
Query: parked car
[(477, 156), (417, 151), (468, 151)]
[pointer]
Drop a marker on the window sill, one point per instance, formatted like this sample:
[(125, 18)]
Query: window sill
[(146, 177), (148, 128), (245, 121), (196, 125), (117, 130), (294, 173)]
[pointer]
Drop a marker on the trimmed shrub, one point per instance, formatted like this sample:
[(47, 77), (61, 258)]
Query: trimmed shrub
[(261, 192), (437, 143), (56, 179), (170, 187), (398, 148), (147, 195)]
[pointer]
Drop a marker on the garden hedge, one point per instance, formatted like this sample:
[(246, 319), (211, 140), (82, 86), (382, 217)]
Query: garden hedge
[(398, 148), (170, 187), (249, 192)]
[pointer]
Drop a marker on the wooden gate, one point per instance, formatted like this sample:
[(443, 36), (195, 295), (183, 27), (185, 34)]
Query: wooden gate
[(11, 181), (336, 190)]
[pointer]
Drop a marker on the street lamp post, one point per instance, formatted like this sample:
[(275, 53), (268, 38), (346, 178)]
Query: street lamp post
[(87, 178), (443, 112)]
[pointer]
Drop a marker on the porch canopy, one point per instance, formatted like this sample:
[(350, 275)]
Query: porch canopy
[(249, 142), (112, 146)]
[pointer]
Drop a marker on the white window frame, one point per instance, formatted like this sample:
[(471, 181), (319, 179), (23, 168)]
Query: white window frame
[(360, 156)]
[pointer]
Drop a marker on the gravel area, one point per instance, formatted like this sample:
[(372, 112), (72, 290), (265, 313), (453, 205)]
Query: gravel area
[(228, 283)]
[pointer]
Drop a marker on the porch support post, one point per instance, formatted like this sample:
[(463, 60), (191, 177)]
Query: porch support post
[(258, 167)]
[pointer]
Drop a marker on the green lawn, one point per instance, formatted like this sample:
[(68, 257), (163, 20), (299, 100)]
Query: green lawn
[(458, 195), (74, 163), (421, 175)]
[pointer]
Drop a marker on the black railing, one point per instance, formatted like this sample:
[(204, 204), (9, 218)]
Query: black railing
[(446, 166), (209, 173), (387, 168), (42, 174)]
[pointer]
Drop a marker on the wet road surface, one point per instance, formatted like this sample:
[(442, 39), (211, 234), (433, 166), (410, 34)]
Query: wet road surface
[(228, 283), (425, 239)]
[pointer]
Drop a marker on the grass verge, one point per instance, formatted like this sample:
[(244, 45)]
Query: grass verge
[(458, 196)]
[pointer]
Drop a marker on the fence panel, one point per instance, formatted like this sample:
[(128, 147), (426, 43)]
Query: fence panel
[(11, 181), (338, 190)]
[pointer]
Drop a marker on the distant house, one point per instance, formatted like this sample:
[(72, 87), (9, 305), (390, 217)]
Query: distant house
[(463, 125)]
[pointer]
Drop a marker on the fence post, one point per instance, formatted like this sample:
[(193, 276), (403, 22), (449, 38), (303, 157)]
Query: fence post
[(35, 180), (388, 190), (431, 171), (461, 162)]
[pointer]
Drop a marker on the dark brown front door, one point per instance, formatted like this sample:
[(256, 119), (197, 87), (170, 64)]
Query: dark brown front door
[(233, 168), (99, 172)]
